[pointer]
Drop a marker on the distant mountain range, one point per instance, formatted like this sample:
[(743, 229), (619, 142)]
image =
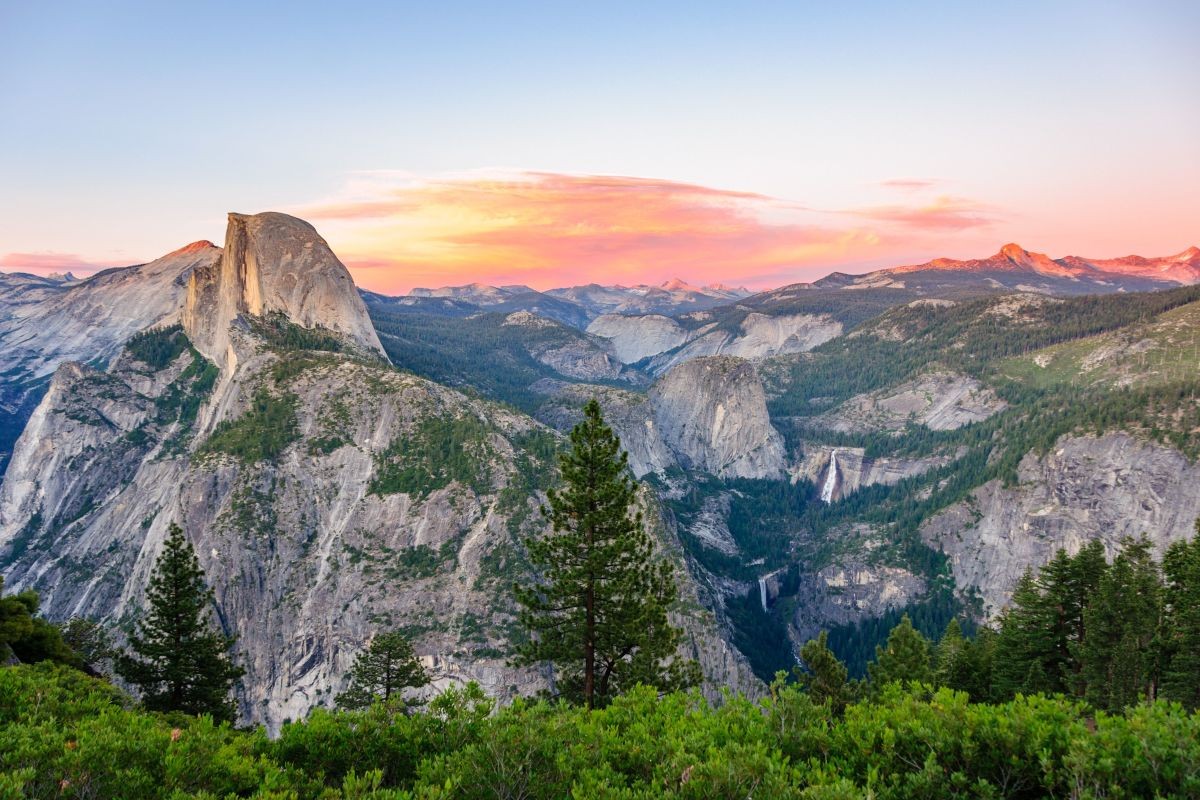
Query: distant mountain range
[(1012, 268)]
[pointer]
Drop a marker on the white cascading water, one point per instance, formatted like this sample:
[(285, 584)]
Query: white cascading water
[(762, 590), (830, 480)]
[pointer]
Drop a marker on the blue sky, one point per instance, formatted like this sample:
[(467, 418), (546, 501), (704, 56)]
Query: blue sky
[(130, 128)]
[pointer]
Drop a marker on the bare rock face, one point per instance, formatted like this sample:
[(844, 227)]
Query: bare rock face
[(759, 336), (712, 413), (667, 343), (854, 470), (849, 592), (274, 263), (708, 415), (44, 323), (637, 337), (940, 401), (1086, 489)]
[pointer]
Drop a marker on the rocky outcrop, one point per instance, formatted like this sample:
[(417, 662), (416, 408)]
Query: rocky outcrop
[(274, 263), (45, 323), (629, 413), (712, 414), (636, 338), (667, 343), (707, 415), (758, 336), (570, 353), (849, 592), (1085, 489), (855, 470), (940, 401)]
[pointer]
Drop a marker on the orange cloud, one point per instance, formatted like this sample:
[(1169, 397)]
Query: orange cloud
[(548, 229), (943, 214)]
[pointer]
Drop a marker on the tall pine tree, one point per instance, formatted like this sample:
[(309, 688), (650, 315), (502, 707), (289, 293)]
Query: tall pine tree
[(179, 661), (599, 614), (1020, 655)]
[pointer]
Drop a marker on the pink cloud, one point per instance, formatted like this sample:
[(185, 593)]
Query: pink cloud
[(909, 184), (945, 213)]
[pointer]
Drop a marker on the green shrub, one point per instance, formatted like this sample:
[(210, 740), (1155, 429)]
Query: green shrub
[(260, 434), (63, 734), (438, 452)]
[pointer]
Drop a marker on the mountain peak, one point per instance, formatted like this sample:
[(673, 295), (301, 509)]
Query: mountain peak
[(1014, 252), (676, 285), (195, 247), (273, 262)]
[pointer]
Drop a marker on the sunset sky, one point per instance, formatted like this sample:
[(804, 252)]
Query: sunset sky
[(444, 143)]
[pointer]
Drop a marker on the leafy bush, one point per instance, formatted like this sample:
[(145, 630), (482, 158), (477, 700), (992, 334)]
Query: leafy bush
[(63, 734)]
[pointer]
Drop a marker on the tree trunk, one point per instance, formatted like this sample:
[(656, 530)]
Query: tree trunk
[(589, 647)]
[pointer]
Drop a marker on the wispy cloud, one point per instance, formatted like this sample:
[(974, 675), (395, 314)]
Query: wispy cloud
[(944, 213), (909, 184)]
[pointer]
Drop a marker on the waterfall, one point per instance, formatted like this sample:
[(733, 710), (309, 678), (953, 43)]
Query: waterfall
[(830, 480), (762, 591)]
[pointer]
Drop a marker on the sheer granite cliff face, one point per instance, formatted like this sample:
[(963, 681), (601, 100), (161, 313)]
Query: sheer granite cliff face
[(45, 323), (310, 548), (1086, 488), (708, 415), (274, 263), (711, 412)]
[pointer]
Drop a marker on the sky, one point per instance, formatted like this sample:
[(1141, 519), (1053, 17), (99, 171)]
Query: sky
[(556, 144)]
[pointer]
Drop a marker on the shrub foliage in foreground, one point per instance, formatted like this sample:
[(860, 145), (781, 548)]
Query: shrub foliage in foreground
[(63, 734)]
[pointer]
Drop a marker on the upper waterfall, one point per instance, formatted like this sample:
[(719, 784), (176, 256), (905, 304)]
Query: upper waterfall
[(830, 479)]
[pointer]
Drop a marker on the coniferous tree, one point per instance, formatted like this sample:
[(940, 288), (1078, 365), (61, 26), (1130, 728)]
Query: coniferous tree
[(90, 641), (1088, 568), (823, 675), (974, 668), (600, 613), (388, 666), (906, 657), (1065, 584), (1021, 653), (1180, 638), (179, 661), (1121, 623), (948, 652)]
